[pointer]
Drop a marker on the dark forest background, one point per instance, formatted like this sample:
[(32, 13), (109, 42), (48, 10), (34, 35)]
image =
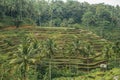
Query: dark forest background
[(101, 18)]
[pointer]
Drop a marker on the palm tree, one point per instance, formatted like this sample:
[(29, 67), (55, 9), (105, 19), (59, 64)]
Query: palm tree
[(5, 68), (51, 47), (108, 51), (86, 52), (77, 45), (116, 49), (109, 55), (26, 56), (51, 50)]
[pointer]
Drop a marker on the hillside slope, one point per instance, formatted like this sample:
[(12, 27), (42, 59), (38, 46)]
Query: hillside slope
[(63, 37)]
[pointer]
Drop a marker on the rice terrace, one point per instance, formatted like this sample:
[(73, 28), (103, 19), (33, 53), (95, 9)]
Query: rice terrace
[(59, 40)]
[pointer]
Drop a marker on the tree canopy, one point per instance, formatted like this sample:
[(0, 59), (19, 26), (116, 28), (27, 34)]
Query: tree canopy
[(58, 12)]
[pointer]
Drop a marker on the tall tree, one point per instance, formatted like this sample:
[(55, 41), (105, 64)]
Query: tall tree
[(26, 56)]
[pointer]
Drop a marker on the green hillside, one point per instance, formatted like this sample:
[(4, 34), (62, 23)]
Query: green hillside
[(59, 40), (68, 59), (109, 75)]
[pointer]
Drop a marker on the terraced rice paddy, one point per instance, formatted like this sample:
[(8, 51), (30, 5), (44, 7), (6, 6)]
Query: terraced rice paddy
[(63, 37)]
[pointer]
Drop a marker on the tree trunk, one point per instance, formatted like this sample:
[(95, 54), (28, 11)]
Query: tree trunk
[(25, 71), (50, 69)]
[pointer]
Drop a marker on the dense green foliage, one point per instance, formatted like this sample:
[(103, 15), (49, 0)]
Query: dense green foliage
[(100, 18), (64, 53), (60, 13), (108, 75), (50, 53)]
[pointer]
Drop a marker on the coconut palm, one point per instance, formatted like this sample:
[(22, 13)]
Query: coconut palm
[(5, 68), (116, 49), (51, 50), (86, 52), (51, 47), (26, 56), (76, 48), (74, 51), (108, 50), (108, 54)]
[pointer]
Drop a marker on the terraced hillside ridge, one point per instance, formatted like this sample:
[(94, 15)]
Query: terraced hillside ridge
[(109, 75), (63, 37)]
